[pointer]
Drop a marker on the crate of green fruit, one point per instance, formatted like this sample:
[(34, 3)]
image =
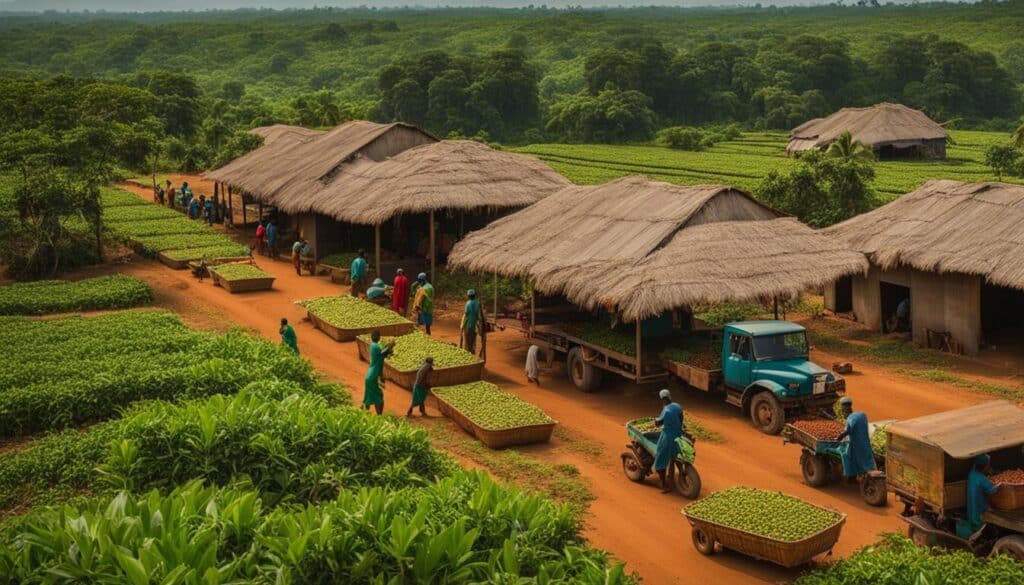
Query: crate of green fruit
[(179, 259), (452, 364), (770, 526), (344, 318), (241, 277), (497, 419)]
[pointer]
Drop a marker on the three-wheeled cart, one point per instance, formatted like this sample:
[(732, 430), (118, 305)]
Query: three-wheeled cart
[(927, 462), (821, 462), (638, 460)]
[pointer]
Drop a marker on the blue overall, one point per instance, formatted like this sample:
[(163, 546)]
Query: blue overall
[(671, 420), (858, 458)]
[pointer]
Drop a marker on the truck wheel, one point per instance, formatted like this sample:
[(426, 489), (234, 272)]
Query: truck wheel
[(633, 468), (874, 491), (1012, 546), (767, 414), (703, 542), (814, 468), (584, 376), (687, 481)]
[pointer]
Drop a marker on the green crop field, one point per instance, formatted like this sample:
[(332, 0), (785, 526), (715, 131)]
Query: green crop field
[(744, 162)]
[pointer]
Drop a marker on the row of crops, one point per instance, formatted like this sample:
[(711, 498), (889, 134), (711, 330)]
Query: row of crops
[(745, 162), (153, 230), (242, 465), (62, 296)]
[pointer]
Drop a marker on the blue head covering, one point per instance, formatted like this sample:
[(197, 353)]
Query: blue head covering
[(422, 276), (982, 460)]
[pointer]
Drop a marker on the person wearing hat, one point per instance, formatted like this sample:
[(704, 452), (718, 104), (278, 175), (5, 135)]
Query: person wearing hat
[(472, 320), (671, 423), (377, 289), (423, 302), (400, 293), (979, 488), (357, 274), (858, 458), (421, 387)]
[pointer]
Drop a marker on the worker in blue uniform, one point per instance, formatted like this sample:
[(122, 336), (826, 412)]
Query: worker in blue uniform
[(979, 488), (858, 458), (671, 423)]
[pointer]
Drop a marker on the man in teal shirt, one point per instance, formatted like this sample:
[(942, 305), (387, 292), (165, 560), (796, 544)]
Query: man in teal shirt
[(979, 488), (357, 272), (471, 319)]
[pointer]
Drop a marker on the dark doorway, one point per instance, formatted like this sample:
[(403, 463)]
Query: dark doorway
[(844, 295), (1002, 314), (893, 318)]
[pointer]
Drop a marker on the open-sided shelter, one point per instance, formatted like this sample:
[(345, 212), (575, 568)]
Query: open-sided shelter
[(890, 130), (955, 250), (640, 248)]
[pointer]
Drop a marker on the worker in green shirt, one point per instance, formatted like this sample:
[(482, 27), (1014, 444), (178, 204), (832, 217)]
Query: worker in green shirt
[(472, 319), (288, 336), (357, 273), (373, 384), (423, 302)]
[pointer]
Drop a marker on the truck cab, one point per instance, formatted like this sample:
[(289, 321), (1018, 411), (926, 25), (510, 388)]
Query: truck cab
[(767, 372)]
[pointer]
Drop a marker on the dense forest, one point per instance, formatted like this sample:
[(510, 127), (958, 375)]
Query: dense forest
[(529, 75)]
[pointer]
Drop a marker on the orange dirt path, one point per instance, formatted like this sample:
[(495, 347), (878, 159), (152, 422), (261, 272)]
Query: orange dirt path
[(635, 522)]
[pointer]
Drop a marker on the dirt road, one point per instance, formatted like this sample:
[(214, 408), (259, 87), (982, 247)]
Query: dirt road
[(635, 522)]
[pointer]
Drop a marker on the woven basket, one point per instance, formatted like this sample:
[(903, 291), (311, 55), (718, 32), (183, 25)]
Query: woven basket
[(1010, 496), (786, 554), (242, 284), (497, 439), (339, 334)]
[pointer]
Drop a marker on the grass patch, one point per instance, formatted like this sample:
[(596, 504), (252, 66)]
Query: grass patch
[(703, 433), (835, 337), (944, 377), (578, 444)]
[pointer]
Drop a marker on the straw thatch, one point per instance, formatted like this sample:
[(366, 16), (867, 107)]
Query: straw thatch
[(294, 161), (642, 247), (876, 126), (451, 174), (946, 226)]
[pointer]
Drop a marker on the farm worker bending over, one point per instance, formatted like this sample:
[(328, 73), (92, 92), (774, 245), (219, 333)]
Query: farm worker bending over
[(979, 487), (374, 382), (288, 336), (423, 302), (421, 387), (357, 272), (400, 294), (377, 289), (297, 255), (472, 319), (671, 423), (858, 458)]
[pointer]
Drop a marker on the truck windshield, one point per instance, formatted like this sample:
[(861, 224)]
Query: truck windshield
[(783, 346)]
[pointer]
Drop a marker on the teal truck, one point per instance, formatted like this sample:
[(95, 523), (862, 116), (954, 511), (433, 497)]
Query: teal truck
[(766, 371)]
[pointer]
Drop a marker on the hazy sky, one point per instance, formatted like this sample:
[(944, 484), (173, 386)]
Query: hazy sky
[(158, 5)]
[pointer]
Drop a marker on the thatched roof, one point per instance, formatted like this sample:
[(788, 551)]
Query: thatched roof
[(294, 160), (277, 132), (451, 174), (946, 226), (876, 126), (643, 247)]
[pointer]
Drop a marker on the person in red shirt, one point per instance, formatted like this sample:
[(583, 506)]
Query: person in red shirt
[(400, 294), (261, 234)]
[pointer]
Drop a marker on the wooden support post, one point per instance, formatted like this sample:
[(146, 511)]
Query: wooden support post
[(260, 208), (533, 310), (433, 248), (776, 307), (216, 200), (639, 353), (495, 296), (243, 209), (376, 254), (231, 206)]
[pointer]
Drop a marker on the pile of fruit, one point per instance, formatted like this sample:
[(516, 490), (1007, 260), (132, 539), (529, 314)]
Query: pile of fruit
[(340, 259), (1010, 476), (608, 338), (410, 351), (645, 425), (771, 514), (823, 429), (879, 442), (239, 272), (490, 408), (348, 312)]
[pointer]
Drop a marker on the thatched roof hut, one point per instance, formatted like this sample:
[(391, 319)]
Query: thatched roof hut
[(945, 243), (886, 128), (641, 247)]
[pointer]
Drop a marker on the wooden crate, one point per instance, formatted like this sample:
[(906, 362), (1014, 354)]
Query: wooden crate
[(695, 377), (497, 439), (1009, 497), (183, 264), (786, 554), (440, 376), (339, 334), (242, 284)]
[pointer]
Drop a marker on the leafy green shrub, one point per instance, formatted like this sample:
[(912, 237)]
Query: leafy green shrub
[(456, 282), (157, 227), (154, 244), (602, 335), (340, 259), (119, 198), (56, 296), (719, 315), (682, 138)]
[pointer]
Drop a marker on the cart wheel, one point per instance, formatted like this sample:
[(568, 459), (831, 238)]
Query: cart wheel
[(815, 469), (632, 467), (1012, 546), (584, 376), (874, 491), (703, 542), (767, 414), (687, 481), (917, 536)]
